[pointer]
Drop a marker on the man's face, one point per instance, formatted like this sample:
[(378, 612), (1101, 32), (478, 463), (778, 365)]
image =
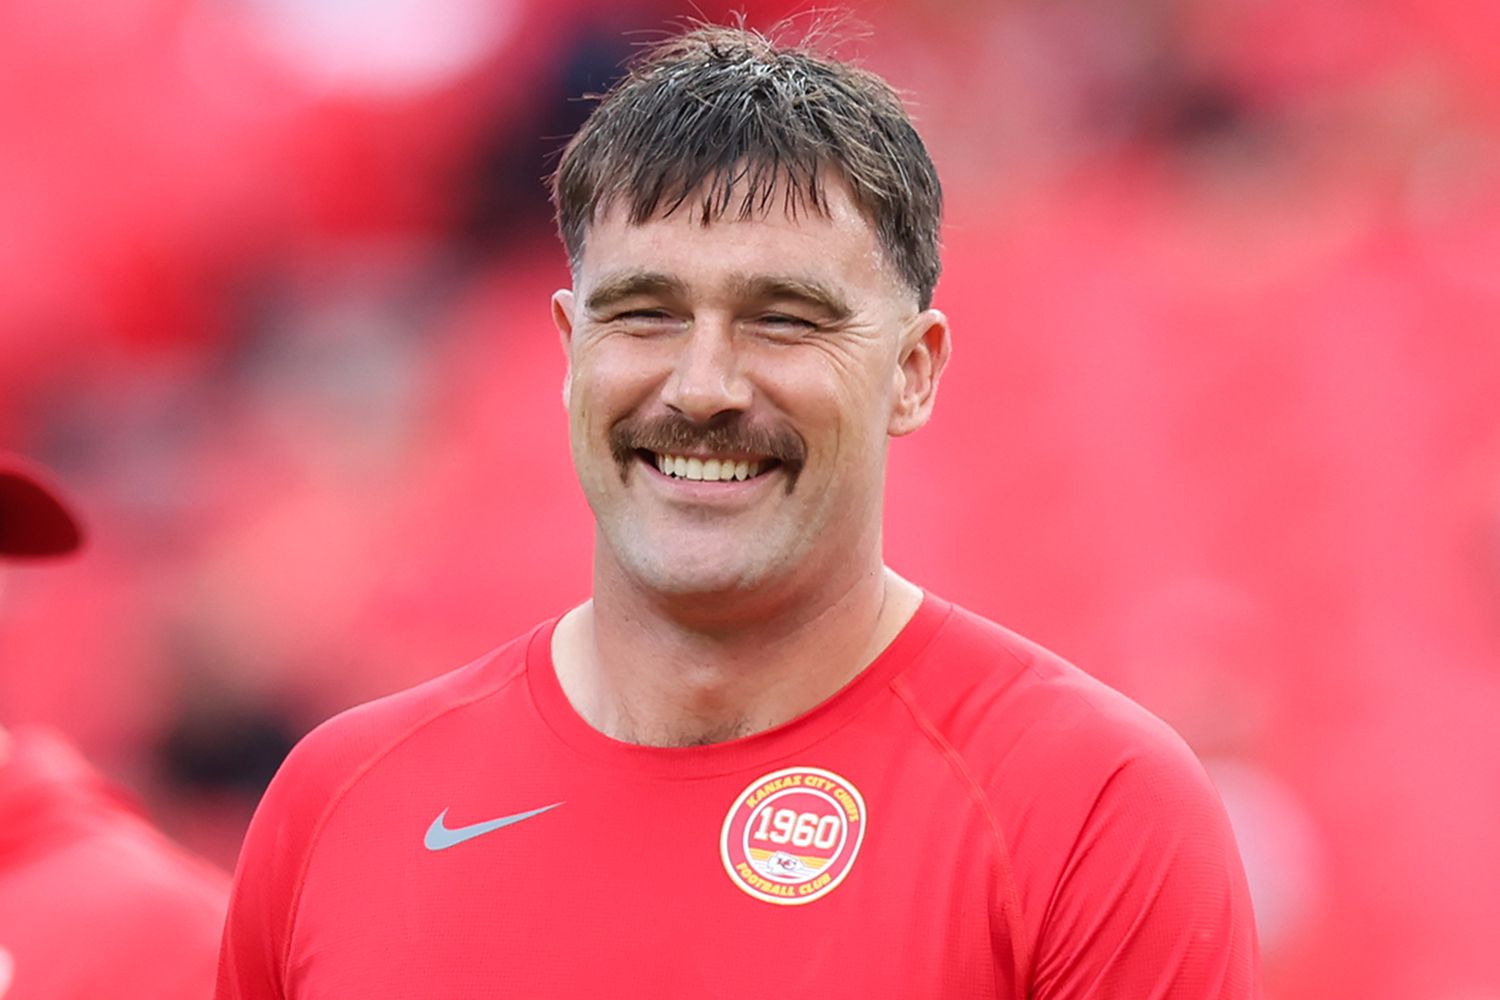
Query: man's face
[(730, 391)]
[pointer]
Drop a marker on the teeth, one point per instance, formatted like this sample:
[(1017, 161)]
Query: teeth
[(712, 470)]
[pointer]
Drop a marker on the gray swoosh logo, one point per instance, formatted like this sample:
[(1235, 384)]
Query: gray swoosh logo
[(440, 836)]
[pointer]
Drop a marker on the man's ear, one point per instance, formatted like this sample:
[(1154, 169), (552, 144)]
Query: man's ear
[(562, 317), (925, 348)]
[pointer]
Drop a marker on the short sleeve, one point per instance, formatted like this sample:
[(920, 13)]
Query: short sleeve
[(1152, 900), (268, 876)]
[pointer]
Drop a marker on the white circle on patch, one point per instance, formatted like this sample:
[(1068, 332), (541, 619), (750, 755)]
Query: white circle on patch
[(792, 835)]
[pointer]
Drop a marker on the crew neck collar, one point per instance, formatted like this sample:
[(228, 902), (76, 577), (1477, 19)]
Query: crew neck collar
[(755, 750)]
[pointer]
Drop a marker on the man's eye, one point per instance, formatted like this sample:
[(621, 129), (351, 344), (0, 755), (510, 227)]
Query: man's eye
[(643, 314), (782, 321)]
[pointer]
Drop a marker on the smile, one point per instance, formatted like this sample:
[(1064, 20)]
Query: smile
[(712, 470)]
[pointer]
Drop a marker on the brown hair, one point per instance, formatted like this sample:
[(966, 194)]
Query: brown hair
[(730, 115)]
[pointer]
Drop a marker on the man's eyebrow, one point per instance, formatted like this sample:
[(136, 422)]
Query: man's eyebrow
[(629, 283), (770, 287)]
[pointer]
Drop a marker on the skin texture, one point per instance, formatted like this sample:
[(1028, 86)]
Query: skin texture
[(780, 339)]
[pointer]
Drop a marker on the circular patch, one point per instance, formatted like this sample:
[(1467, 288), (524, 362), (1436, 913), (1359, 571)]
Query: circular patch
[(792, 835)]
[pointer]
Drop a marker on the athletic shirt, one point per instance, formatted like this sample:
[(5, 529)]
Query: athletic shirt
[(94, 902), (970, 817)]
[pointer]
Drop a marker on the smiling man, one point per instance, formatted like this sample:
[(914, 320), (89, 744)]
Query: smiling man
[(756, 761)]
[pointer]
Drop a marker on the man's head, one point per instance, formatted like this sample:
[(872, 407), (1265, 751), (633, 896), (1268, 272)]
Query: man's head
[(753, 236), (33, 521), (722, 122)]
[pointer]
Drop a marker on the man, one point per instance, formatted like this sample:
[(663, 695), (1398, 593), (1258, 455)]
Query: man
[(93, 902), (757, 763)]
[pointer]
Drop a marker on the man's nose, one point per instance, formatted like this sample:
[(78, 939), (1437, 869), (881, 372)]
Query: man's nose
[(706, 378)]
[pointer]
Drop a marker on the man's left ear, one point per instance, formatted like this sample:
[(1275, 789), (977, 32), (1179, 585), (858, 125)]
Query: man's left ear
[(925, 348)]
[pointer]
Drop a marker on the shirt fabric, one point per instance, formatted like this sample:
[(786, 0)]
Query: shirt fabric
[(970, 817), (95, 903)]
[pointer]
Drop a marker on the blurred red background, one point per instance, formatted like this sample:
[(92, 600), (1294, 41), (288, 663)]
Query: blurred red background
[(1223, 424)]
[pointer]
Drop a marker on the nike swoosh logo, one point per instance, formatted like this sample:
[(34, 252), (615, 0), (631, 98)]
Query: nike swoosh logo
[(440, 836)]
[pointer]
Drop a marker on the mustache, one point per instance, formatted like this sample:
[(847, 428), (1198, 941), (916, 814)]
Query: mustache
[(727, 433)]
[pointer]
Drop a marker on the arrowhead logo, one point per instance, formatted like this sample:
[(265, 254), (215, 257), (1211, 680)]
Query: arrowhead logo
[(440, 836)]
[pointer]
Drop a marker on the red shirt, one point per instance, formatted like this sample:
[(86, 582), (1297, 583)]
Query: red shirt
[(970, 817), (93, 901)]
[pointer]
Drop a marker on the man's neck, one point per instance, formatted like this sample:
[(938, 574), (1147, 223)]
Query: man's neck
[(641, 673)]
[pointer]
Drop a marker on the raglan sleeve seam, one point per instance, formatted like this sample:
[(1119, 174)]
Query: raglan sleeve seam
[(1022, 946)]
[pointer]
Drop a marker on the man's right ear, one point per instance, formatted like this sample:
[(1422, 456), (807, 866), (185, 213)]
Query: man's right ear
[(562, 317)]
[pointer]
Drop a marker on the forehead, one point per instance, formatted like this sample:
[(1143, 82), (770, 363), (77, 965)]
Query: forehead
[(838, 246)]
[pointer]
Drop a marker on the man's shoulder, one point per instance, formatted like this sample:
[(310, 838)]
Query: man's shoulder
[(1059, 759), (337, 753), (994, 695)]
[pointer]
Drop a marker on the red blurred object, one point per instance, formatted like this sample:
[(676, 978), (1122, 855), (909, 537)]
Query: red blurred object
[(33, 519)]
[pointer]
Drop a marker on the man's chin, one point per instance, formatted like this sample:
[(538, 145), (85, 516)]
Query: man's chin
[(698, 583), (693, 577)]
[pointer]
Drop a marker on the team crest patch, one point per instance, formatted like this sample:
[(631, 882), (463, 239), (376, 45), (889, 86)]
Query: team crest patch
[(792, 835)]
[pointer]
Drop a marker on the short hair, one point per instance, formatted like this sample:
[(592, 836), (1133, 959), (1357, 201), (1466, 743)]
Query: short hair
[(731, 115)]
